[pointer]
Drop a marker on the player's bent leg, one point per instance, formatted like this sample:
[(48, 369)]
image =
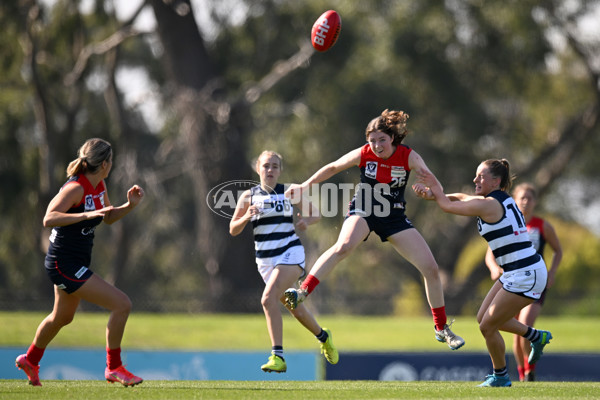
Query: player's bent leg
[(97, 291), (412, 246)]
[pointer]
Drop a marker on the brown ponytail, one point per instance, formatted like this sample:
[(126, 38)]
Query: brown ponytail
[(500, 168), (91, 155)]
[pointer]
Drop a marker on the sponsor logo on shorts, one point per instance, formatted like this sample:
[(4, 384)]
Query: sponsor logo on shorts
[(80, 273), (61, 286)]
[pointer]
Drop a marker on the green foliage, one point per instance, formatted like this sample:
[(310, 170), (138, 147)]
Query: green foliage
[(578, 277)]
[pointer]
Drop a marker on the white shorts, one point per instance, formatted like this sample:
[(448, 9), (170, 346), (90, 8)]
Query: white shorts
[(293, 256), (529, 282)]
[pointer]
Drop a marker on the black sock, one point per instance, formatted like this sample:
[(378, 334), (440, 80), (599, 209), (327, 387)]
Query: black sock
[(501, 372), (322, 336)]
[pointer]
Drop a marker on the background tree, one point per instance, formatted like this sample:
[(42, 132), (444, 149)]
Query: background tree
[(231, 78)]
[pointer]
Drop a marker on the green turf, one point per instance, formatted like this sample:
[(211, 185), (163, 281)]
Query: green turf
[(291, 390), (249, 332)]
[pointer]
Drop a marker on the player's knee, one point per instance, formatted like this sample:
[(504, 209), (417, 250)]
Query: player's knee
[(485, 329), (268, 299), (124, 305), (63, 319), (431, 272), (479, 318), (343, 249)]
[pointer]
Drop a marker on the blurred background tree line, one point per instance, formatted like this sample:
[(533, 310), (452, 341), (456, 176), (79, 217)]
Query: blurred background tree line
[(189, 93)]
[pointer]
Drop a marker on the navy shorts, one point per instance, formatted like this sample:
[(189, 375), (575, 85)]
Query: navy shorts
[(384, 227), (68, 277)]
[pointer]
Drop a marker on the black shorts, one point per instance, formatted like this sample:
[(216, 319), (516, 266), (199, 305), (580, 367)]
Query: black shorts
[(384, 227), (68, 277)]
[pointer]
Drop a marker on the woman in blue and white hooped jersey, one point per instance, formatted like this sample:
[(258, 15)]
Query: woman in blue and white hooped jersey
[(279, 254), (502, 225)]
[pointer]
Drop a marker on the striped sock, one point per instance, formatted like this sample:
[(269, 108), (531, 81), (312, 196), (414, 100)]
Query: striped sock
[(278, 351), (532, 334), (501, 371)]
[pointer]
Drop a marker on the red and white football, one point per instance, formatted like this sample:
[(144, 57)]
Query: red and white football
[(326, 30)]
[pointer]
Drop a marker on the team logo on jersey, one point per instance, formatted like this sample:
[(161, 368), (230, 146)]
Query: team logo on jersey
[(398, 172), (371, 169), (89, 203)]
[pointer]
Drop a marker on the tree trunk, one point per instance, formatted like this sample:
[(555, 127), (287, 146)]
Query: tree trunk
[(213, 136)]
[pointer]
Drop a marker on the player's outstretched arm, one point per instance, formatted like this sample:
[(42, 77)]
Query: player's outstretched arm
[(134, 196), (341, 164)]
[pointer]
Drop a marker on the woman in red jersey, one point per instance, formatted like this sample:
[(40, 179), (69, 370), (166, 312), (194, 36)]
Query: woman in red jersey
[(73, 214), (378, 206), (540, 232)]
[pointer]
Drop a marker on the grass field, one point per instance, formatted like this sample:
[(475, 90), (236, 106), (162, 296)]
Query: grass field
[(292, 390), (248, 332)]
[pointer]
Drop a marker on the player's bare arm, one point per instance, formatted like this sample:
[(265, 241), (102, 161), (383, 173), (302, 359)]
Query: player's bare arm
[(471, 206), (135, 194), (68, 197), (348, 160), (242, 214)]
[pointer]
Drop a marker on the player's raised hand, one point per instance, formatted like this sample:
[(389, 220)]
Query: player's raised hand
[(135, 194), (423, 191)]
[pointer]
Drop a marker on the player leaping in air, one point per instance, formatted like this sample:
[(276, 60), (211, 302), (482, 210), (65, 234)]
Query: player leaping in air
[(385, 164)]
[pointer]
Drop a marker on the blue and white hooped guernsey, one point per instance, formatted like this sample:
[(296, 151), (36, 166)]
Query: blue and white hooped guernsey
[(508, 238), (274, 230)]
